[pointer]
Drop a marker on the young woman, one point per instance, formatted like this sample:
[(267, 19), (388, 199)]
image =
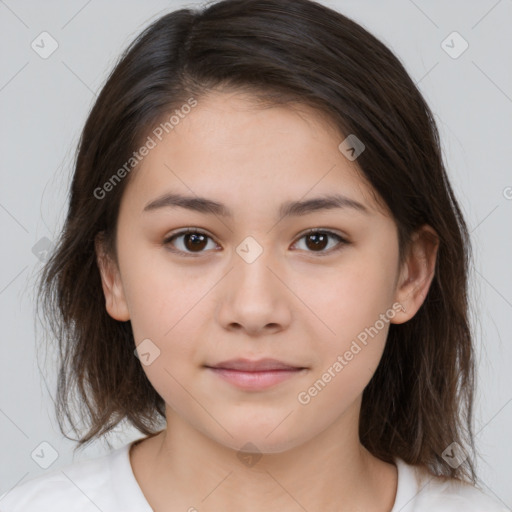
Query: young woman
[(264, 270)]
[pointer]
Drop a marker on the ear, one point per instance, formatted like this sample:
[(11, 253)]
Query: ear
[(115, 301), (416, 273)]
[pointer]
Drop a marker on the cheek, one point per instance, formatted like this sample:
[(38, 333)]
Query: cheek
[(355, 305), (351, 296), (346, 363), (166, 309), (160, 294)]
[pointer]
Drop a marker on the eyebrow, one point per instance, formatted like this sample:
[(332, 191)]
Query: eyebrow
[(287, 209)]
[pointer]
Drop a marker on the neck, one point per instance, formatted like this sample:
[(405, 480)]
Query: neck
[(331, 471)]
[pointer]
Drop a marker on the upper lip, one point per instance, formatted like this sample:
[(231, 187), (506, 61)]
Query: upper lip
[(259, 365)]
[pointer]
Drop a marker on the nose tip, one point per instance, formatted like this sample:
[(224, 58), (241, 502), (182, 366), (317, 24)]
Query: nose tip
[(253, 299)]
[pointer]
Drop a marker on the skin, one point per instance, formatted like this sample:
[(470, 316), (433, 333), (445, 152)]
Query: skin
[(289, 304)]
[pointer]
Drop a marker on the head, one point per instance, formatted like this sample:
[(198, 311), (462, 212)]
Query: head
[(255, 107)]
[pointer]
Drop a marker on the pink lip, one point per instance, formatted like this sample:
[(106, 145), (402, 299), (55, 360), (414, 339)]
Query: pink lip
[(254, 381), (255, 375), (260, 365)]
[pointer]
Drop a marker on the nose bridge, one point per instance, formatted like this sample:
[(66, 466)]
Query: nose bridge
[(252, 296), (252, 261)]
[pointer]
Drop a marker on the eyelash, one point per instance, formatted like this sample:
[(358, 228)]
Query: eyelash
[(342, 241)]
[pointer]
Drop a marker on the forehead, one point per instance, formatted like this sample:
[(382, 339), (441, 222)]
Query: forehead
[(231, 148)]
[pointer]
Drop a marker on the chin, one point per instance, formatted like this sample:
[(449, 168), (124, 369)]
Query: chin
[(259, 437)]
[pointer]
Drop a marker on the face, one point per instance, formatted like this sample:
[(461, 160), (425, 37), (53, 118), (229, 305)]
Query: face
[(250, 280)]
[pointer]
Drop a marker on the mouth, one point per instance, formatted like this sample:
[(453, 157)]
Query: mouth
[(255, 375)]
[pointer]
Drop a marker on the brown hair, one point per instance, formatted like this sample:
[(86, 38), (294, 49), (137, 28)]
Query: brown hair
[(419, 400)]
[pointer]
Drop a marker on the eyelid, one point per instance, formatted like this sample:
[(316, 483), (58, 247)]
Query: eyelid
[(330, 231)]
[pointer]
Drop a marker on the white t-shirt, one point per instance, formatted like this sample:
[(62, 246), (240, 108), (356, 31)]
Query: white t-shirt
[(107, 484)]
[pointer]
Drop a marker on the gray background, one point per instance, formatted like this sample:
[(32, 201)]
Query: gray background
[(44, 103)]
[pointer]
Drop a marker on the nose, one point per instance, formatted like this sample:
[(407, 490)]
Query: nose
[(253, 297)]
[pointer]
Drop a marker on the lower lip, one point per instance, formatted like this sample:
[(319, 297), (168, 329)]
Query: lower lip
[(255, 381)]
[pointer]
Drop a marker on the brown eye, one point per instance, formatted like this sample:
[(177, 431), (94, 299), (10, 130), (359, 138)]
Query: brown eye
[(194, 241), (318, 240), (188, 242)]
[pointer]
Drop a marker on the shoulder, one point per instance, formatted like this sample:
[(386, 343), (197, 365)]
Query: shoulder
[(420, 491), (456, 495), (81, 486)]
